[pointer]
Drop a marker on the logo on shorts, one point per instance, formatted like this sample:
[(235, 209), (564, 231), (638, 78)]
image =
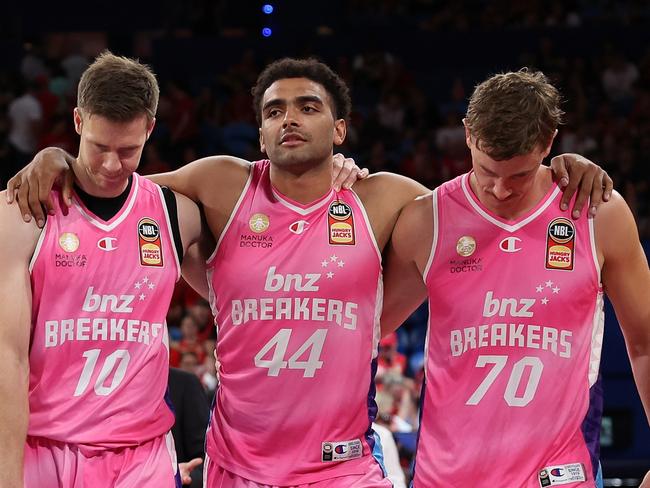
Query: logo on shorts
[(341, 450), (327, 452), (149, 243), (561, 475), (340, 224), (466, 246), (69, 242), (259, 222), (560, 244)]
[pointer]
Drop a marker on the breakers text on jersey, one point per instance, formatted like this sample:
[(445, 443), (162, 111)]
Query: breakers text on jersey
[(57, 332), (511, 334), (284, 308)]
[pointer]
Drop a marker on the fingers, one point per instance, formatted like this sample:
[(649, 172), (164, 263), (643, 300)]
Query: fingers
[(596, 197), (338, 172), (68, 184), (194, 463), (586, 185), (12, 186), (22, 198), (363, 174), (609, 187), (558, 166), (35, 207), (351, 179)]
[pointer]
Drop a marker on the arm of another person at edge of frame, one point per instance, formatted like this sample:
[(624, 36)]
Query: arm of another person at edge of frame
[(18, 244), (31, 187), (405, 261), (574, 173), (626, 281)]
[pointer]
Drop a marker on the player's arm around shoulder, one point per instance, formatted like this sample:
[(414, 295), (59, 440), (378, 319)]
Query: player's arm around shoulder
[(18, 243), (626, 280), (213, 181), (384, 196), (405, 262), (197, 242)]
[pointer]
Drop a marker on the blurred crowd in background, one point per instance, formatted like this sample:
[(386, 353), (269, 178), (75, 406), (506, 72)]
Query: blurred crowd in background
[(407, 109)]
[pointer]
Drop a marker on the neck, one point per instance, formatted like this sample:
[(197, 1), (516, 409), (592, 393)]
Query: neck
[(83, 180), (511, 210), (303, 186)]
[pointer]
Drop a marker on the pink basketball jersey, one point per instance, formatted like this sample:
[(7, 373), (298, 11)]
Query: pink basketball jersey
[(99, 346), (513, 347), (296, 293)]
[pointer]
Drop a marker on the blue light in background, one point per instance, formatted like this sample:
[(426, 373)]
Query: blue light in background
[(267, 9), (267, 32)]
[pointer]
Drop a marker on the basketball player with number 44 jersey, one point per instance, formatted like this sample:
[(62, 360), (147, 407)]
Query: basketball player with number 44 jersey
[(515, 286), (86, 299)]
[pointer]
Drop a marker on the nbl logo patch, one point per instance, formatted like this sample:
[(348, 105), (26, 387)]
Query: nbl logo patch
[(340, 224), (560, 244), (149, 243)]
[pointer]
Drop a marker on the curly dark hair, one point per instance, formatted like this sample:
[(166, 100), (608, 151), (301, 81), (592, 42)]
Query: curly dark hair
[(311, 69)]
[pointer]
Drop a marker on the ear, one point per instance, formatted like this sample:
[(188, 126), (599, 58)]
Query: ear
[(547, 150), (150, 127), (78, 120), (262, 145), (468, 136), (340, 131)]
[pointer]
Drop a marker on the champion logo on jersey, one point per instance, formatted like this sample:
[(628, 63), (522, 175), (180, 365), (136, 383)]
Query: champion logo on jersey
[(562, 474), (510, 244), (299, 227), (107, 244)]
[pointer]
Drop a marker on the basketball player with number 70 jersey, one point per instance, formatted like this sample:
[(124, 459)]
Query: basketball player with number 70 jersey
[(515, 287)]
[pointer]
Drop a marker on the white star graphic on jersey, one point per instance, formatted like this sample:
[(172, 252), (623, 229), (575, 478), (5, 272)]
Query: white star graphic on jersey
[(142, 296), (549, 284), (138, 285), (544, 301), (539, 289), (341, 264), (556, 290), (324, 263), (151, 286), (333, 257), (330, 275), (145, 280)]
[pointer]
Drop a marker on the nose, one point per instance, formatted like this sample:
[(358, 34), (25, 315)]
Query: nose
[(290, 117), (500, 189), (112, 162)]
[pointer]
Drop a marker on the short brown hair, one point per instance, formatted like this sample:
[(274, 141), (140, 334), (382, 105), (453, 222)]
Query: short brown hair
[(511, 114), (118, 88), (309, 68)]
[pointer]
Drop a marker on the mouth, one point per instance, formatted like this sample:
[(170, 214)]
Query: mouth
[(292, 139)]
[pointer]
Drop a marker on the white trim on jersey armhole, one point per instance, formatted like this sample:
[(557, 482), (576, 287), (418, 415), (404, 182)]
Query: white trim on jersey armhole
[(37, 249), (367, 221), (120, 219), (598, 327), (376, 325), (426, 339), (594, 253), (434, 240), (170, 230), (232, 214)]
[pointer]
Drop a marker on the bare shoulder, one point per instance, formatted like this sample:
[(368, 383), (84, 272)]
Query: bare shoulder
[(18, 237), (219, 173), (615, 228), (396, 188)]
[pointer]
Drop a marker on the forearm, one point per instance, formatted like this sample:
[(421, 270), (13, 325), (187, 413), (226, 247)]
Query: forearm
[(641, 370), (14, 415)]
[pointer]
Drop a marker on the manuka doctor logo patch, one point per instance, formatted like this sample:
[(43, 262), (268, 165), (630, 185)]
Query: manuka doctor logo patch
[(560, 245), (340, 224), (69, 242), (149, 243)]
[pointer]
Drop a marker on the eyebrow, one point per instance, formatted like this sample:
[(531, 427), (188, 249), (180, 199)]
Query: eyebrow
[(125, 148), (275, 102)]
